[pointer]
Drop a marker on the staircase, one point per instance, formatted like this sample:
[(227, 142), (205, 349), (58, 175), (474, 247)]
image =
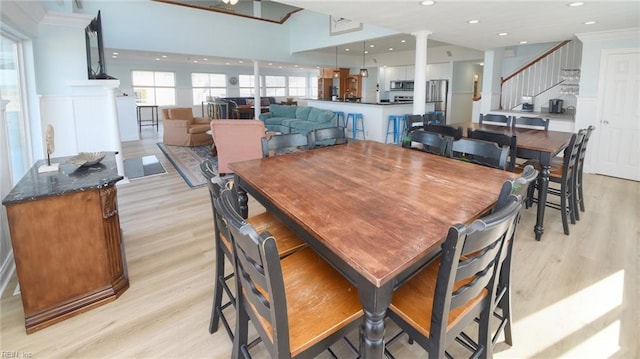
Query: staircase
[(541, 74)]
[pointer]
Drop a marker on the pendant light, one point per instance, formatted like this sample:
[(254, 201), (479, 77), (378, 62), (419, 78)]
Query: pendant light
[(336, 72), (363, 71)]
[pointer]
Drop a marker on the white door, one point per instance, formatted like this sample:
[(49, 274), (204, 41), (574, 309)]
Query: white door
[(619, 130)]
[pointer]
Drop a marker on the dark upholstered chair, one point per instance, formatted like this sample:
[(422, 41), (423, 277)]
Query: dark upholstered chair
[(413, 122), (431, 142), (481, 152), (532, 122), (446, 296), (502, 140), (287, 244), (299, 305), (326, 137), (495, 119), (284, 143)]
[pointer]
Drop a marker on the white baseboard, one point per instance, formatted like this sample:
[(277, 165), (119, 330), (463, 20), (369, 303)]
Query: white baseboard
[(6, 271)]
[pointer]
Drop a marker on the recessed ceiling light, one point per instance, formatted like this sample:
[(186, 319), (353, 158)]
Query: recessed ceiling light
[(115, 53), (195, 61), (427, 2), (372, 45), (403, 41), (391, 49), (366, 52), (295, 65), (589, 22), (157, 59), (114, 56), (473, 21), (226, 63), (481, 64), (503, 33), (164, 56), (346, 49), (279, 67), (576, 3), (205, 59), (271, 63), (241, 62), (523, 42)]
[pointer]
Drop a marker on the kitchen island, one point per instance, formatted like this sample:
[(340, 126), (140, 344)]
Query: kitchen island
[(66, 238), (375, 114)]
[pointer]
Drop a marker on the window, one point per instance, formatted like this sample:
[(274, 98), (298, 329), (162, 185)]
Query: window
[(154, 88), (313, 86), (275, 86), (208, 85), (12, 89), (246, 83), (297, 86)]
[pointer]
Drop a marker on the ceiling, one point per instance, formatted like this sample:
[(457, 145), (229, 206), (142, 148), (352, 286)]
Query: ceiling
[(538, 21), (532, 21)]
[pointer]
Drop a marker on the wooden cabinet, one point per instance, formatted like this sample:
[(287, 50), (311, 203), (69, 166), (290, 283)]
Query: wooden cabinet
[(67, 246)]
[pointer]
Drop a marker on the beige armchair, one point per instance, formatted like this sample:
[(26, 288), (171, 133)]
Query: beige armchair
[(182, 129), (237, 140)]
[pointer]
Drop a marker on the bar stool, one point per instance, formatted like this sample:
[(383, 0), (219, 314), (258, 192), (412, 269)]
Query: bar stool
[(339, 115), (398, 121), (357, 124)]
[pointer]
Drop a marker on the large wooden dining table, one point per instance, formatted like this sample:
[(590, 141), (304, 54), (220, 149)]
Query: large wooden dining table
[(376, 212), (534, 144)]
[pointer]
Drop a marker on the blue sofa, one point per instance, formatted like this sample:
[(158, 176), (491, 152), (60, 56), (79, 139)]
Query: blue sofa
[(297, 119)]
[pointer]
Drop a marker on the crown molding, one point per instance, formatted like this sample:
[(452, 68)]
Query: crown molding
[(66, 19), (621, 34)]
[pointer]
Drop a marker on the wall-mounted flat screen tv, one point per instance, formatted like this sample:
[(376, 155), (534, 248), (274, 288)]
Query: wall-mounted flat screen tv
[(96, 68)]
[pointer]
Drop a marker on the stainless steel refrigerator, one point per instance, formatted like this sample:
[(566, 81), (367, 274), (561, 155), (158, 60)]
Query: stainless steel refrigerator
[(437, 92)]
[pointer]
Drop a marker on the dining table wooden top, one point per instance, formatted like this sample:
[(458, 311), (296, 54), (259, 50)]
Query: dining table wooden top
[(528, 138), (380, 209)]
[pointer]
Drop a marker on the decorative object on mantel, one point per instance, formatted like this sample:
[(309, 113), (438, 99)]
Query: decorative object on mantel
[(86, 159), (49, 140)]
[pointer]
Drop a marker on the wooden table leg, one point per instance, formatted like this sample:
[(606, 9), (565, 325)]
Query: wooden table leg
[(375, 302), (543, 186)]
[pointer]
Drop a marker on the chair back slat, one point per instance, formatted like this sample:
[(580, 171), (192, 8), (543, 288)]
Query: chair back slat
[(481, 152), (502, 140), (571, 153), (495, 119), (450, 131), (585, 141), (326, 137), (533, 122), (432, 142), (413, 122), (281, 144)]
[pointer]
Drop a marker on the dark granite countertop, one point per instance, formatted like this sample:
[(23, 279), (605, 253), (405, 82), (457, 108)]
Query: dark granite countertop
[(69, 178)]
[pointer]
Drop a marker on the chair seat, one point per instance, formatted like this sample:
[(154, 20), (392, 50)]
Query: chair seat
[(413, 301), (313, 289), (287, 241)]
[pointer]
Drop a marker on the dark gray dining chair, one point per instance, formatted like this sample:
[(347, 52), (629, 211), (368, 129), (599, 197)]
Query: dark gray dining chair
[(445, 130), (578, 195), (288, 243), (299, 305), (449, 294)]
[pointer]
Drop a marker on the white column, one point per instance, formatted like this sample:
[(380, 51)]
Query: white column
[(256, 88), (257, 9), (420, 72), (491, 76)]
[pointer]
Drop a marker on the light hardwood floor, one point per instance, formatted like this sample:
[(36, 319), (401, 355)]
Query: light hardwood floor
[(573, 296)]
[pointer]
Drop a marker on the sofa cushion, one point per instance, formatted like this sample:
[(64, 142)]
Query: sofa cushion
[(302, 112), (313, 114), (283, 111), (198, 128), (181, 113), (274, 120)]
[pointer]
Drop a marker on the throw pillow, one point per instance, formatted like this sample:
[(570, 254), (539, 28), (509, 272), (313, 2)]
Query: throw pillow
[(265, 102), (249, 102)]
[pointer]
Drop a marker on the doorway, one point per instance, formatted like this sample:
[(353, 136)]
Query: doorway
[(618, 135)]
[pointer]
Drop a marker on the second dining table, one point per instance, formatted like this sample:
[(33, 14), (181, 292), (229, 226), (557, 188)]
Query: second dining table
[(533, 144), (376, 212)]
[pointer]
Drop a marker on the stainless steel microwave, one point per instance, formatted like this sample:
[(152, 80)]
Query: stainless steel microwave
[(407, 85), (396, 85)]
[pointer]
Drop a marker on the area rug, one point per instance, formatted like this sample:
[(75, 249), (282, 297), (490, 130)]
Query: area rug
[(187, 160), (146, 166)]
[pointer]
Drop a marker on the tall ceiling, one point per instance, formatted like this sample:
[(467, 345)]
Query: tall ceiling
[(522, 20)]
